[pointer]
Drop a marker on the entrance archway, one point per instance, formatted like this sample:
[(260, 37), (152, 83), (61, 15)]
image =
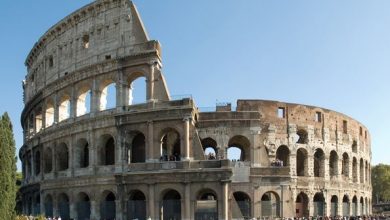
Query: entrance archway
[(318, 204), (206, 207), (301, 205), (108, 206), (136, 206), (171, 205), (333, 205), (270, 205)]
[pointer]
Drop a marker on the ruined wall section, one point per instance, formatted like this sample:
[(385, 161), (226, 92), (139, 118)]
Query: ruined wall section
[(104, 29)]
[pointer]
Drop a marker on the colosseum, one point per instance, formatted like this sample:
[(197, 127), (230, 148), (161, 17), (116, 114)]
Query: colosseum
[(91, 152)]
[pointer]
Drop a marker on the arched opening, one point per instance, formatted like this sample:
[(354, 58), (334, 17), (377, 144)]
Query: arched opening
[(345, 205), (366, 172), (354, 146), (83, 105), (319, 163), (64, 108), (136, 206), (283, 155), (354, 206), (333, 164), (137, 91), (206, 207), (49, 114), (210, 148), (29, 206), (107, 96), (63, 206), (301, 205), (242, 206), (361, 170), (83, 206), (48, 160), (171, 205), (107, 150), (38, 120), (354, 170), (37, 162), (238, 148), (345, 164), (82, 153), (138, 149), (108, 206), (362, 206), (318, 204), (302, 136), (333, 205), (170, 145), (48, 206), (270, 205), (301, 163), (37, 205), (62, 157)]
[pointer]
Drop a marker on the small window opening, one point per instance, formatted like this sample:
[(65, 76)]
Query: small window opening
[(281, 112), (345, 127), (318, 117), (365, 134), (86, 41), (51, 62), (108, 57), (361, 131)]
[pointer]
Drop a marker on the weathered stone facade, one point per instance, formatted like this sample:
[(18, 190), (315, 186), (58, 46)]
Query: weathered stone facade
[(85, 160)]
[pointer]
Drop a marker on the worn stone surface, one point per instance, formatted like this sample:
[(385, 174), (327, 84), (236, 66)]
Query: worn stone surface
[(79, 151)]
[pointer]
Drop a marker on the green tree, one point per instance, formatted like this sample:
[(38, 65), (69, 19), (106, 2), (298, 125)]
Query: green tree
[(7, 169), (380, 179)]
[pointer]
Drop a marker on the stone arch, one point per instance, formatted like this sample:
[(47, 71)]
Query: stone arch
[(83, 103), (107, 91), (354, 170), (107, 150), (354, 206), (210, 148), (62, 157), (301, 205), (206, 206), (37, 204), (345, 205), (171, 204), (334, 201), (37, 162), (108, 205), (136, 82), (318, 204), (302, 162), (241, 142), (48, 160), (303, 137), (362, 206), (82, 153), (49, 113), (345, 165), (270, 205), (38, 114), (64, 107), (333, 164), (319, 163), (366, 171), (138, 151), (170, 144), (63, 206), (48, 204), (136, 205), (83, 206), (283, 154), (243, 209)]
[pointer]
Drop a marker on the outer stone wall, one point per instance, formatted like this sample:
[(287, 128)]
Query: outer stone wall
[(165, 158)]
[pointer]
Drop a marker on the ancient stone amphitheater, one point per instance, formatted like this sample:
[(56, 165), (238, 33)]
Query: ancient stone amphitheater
[(165, 158)]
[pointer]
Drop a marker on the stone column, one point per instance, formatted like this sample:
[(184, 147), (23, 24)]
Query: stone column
[(340, 204), (32, 164), (187, 201), (151, 202), (56, 212), (310, 204), (56, 108), (310, 165), (95, 97), (187, 137), (150, 82), (95, 214), (73, 103), (119, 209), (72, 210), (225, 200), (327, 174), (150, 147), (71, 152)]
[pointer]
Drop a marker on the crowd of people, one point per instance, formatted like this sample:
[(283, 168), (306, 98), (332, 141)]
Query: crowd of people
[(277, 163), (363, 217), (174, 157)]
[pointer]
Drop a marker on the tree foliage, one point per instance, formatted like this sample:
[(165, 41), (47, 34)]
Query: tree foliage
[(380, 179), (7, 169)]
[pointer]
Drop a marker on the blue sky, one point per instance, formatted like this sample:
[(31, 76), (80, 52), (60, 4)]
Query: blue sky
[(332, 54)]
